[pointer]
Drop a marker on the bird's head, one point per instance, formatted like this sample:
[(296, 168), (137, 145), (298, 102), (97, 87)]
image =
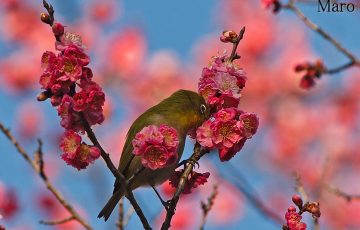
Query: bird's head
[(187, 108)]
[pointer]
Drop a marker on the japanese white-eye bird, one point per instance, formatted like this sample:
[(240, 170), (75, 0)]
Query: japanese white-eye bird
[(183, 110)]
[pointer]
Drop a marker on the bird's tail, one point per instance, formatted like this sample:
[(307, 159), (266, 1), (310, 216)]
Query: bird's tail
[(111, 204)]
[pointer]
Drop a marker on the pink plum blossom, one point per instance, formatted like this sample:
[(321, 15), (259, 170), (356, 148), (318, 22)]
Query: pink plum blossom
[(157, 146), (195, 179), (75, 153)]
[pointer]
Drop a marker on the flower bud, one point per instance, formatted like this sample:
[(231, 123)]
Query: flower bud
[(297, 200), (228, 36), (314, 209), (58, 29), (45, 18), (43, 96), (307, 82), (301, 67)]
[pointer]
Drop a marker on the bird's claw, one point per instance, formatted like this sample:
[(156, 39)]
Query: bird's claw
[(184, 162), (166, 204)]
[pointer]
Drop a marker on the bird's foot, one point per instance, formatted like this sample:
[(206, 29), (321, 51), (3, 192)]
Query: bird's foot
[(166, 204), (184, 162)]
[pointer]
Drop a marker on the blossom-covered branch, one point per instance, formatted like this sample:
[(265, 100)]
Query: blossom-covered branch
[(118, 175), (293, 218), (227, 129), (195, 157), (79, 110), (39, 169)]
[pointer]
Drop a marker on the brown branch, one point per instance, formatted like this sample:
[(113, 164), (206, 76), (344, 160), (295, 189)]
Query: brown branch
[(206, 207), (233, 54), (39, 160), (50, 11), (128, 215), (353, 60), (39, 169), (56, 222), (195, 157), (120, 222), (305, 199), (128, 192), (339, 68), (340, 193), (104, 155), (300, 188)]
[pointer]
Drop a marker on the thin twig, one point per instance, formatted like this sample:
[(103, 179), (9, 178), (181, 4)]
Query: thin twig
[(353, 60), (128, 215), (300, 188), (251, 196), (120, 222), (233, 54), (198, 153), (339, 68), (39, 160), (56, 222), (206, 207), (40, 171), (340, 193)]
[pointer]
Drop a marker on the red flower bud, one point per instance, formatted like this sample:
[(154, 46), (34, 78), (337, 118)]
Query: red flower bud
[(307, 82), (58, 29), (301, 67), (297, 200)]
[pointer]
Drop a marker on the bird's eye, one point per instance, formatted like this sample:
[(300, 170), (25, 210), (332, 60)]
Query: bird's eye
[(203, 108)]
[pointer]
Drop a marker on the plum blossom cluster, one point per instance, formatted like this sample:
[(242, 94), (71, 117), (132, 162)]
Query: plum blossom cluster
[(195, 179), (221, 83), (227, 130), (77, 154), (311, 71), (68, 83), (293, 218), (157, 146)]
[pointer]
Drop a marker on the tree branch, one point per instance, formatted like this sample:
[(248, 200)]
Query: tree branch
[(206, 207), (354, 61), (198, 153), (56, 222), (104, 155), (340, 193), (39, 169), (251, 196), (128, 192)]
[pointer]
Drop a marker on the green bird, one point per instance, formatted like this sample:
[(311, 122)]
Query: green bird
[(183, 110)]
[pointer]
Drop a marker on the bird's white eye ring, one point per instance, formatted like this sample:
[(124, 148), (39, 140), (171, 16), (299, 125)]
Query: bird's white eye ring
[(203, 108)]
